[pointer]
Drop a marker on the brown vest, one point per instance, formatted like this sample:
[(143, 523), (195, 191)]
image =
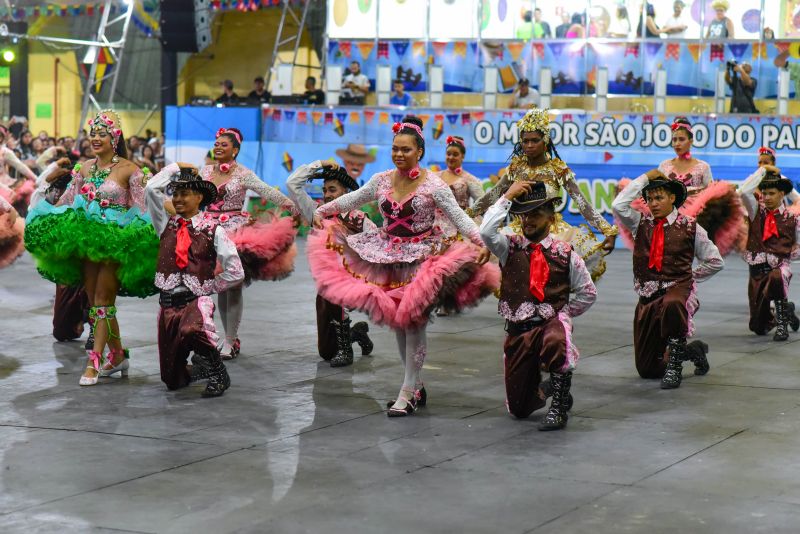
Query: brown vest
[(515, 285), (202, 254), (678, 251), (780, 246)]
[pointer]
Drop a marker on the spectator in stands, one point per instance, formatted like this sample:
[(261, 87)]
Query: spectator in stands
[(355, 86), (769, 34), (563, 28), (541, 29), (134, 147), (621, 25), (313, 95), (259, 94), (647, 23), (525, 30), (228, 96), (721, 26), (68, 142), (147, 159), (17, 125), (26, 153), (577, 28), (676, 25), (399, 96), (525, 97), (743, 87)]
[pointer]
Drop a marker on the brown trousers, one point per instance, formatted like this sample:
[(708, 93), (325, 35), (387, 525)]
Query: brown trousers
[(69, 312), (326, 333), (526, 355), (181, 331), (761, 290), (656, 320)]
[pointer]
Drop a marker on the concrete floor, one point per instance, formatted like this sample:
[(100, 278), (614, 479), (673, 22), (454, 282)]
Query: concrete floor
[(295, 446)]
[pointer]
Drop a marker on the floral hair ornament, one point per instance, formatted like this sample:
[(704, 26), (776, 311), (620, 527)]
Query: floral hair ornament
[(766, 150), (225, 131), (454, 141), (682, 125), (109, 121), (535, 120), (399, 126)]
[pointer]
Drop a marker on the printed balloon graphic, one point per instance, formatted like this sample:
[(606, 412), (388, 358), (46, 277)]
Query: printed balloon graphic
[(502, 9), (338, 127), (751, 20), (438, 128), (340, 12), (364, 5)]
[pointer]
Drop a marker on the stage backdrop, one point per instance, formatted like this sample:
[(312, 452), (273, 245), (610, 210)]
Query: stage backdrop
[(600, 148)]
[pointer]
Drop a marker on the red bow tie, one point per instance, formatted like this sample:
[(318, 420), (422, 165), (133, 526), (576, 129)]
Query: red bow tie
[(657, 246), (539, 272), (770, 226), (182, 244)]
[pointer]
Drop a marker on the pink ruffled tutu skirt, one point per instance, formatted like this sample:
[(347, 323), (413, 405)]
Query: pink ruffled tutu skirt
[(266, 246), (400, 294), (11, 242)]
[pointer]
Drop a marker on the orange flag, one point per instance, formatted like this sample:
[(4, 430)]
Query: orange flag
[(365, 49), (460, 49), (355, 117), (515, 49), (418, 48), (383, 118), (696, 50)]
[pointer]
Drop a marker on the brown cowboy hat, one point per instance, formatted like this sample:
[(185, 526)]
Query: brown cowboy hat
[(357, 153)]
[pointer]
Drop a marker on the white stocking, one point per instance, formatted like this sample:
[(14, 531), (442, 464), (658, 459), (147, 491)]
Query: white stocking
[(413, 353), (231, 306)]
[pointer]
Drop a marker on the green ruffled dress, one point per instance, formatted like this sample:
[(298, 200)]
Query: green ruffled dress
[(99, 221)]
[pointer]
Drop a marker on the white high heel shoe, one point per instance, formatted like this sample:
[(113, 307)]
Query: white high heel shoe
[(93, 363), (121, 368)]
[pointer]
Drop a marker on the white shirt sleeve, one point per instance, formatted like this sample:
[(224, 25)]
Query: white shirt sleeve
[(154, 196), (496, 242), (710, 261), (628, 216), (582, 289), (747, 189), (295, 185), (232, 272)]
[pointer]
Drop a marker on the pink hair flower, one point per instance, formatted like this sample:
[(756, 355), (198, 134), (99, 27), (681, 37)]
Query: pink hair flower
[(117, 132), (396, 127), (220, 131), (450, 140)]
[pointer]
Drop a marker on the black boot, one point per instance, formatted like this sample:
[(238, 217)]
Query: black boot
[(696, 352), (781, 320), (794, 320), (556, 417), (218, 380), (201, 368), (89, 345), (547, 388), (677, 354), (344, 345), (358, 334)]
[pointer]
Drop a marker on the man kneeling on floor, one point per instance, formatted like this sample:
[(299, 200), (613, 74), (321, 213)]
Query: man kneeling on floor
[(191, 246)]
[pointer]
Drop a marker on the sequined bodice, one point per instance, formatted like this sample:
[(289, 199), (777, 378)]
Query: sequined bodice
[(414, 215), (698, 176), (230, 196), (114, 193)]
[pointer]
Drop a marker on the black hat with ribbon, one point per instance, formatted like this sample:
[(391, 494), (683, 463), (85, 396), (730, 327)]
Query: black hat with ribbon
[(538, 196), (676, 187), (339, 174), (776, 181), (188, 177)]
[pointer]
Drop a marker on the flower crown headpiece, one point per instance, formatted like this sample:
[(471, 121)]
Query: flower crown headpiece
[(223, 131), (766, 150), (109, 121), (535, 120), (398, 126), (454, 141), (678, 125)]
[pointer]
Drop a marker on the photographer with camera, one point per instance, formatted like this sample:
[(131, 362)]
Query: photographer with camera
[(742, 85)]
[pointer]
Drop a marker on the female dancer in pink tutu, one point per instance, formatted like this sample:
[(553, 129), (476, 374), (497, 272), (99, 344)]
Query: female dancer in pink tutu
[(714, 204), (464, 185), (12, 228), (266, 248), (400, 272), (22, 189)]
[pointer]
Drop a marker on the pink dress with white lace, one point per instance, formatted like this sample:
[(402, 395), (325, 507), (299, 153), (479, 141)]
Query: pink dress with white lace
[(11, 243), (399, 272), (24, 189), (266, 247), (714, 203), (465, 187)]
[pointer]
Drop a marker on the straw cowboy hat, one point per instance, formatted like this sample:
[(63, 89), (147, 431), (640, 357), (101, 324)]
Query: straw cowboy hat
[(357, 153)]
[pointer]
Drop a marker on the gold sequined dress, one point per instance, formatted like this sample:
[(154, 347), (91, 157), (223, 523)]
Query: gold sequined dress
[(558, 178)]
